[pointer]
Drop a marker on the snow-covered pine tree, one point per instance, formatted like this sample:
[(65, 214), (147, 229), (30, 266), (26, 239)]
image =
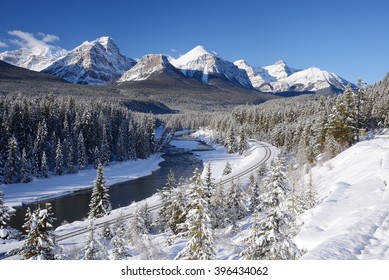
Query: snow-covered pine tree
[(12, 164), (231, 144), (59, 168), (200, 244), (93, 249), (273, 236), (255, 194), (99, 205), (227, 169), (40, 243), (166, 195), (139, 225), (218, 215), (26, 168), (179, 207), (242, 145), (44, 168), (107, 232), (82, 159), (4, 218), (236, 204), (209, 186), (310, 193), (119, 250)]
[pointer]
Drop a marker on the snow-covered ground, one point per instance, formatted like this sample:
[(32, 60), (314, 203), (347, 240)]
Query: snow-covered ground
[(351, 220), (16, 194)]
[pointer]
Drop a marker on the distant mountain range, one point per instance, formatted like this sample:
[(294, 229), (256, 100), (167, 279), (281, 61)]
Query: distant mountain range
[(100, 62)]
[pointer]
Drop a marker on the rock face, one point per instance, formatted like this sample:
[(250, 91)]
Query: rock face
[(96, 62), (149, 64)]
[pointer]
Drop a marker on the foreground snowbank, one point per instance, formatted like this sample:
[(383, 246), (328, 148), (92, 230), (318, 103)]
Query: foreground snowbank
[(351, 220), (16, 194)]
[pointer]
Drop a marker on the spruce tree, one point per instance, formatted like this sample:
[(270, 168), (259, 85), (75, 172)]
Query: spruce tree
[(200, 244), (12, 164), (93, 249), (227, 169), (119, 250), (208, 184), (236, 204), (166, 195), (44, 167), (40, 243), (99, 205), (179, 208), (218, 213), (26, 169), (4, 218), (255, 194), (59, 168), (82, 160)]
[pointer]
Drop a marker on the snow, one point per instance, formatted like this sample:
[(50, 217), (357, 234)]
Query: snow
[(193, 54), (16, 194), (351, 220)]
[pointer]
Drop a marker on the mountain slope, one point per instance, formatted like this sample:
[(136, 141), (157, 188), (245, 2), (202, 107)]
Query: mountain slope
[(206, 66), (33, 59), (280, 78), (96, 62), (149, 64)]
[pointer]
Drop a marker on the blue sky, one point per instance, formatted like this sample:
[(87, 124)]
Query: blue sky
[(350, 38)]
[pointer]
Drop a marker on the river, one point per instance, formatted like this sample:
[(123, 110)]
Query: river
[(75, 206)]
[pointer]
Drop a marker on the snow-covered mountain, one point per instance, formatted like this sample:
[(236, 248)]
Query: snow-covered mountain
[(279, 77), (148, 65), (205, 65), (96, 62), (35, 59)]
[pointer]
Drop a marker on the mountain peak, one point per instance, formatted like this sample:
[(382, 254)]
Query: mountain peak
[(280, 63)]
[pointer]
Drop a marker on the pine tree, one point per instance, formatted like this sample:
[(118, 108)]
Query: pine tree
[(26, 169), (236, 204), (166, 194), (4, 218), (255, 194), (93, 249), (44, 167), (119, 250), (82, 160), (200, 244), (227, 169), (40, 243), (271, 239), (231, 144), (208, 184), (59, 169), (99, 205), (12, 164), (139, 225), (242, 145), (218, 213), (179, 205)]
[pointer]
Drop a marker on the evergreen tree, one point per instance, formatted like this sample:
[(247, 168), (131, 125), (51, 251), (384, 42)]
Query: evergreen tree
[(262, 170), (208, 184), (93, 249), (4, 218), (235, 204), (119, 250), (200, 244), (26, 169), (272, 238), (44, 167), (242, 146), (166, 194), (255, 194), (59, 169), (82, 159), (13, 164), (227, 169), (40, 243), (231, 144), (99, 205), (218, 213), (139, 226), (179, 205)]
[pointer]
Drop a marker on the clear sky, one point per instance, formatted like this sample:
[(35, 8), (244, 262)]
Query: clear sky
[(350, 38)]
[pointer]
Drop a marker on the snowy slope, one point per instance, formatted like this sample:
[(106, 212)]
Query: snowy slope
[(96, 62), (149, 64), (204, 65), (33, 59), (351, 220), (279, 77)]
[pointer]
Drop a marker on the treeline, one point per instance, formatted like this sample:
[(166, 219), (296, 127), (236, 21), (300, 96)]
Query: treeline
[(41, 136), (306, 126)]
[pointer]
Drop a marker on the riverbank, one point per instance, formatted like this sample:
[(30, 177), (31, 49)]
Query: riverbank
[(42, 189)]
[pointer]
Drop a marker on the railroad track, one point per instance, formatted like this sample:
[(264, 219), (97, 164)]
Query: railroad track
[(101, 224)]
